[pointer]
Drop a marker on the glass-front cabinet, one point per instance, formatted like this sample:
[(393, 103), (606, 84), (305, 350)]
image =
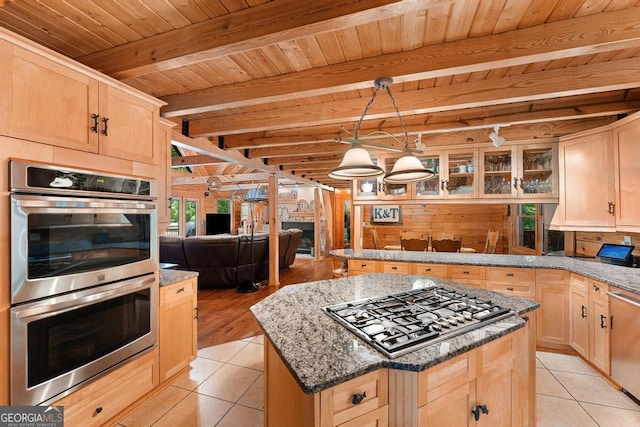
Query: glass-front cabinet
[(523, 171), (455, 175), (376, 189)]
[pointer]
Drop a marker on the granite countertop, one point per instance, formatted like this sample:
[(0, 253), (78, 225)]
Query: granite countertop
[(322, 353), (620, 277), (169, 277)]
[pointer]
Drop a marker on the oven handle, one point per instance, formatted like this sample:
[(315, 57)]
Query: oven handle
[(58, 305), (77, 203), (625, 298)]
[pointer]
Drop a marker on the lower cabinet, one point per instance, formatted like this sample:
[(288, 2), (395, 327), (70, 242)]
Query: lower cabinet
[(362, 401), (486, 386), (553, 316), (178, 338), (100, 401), (471, 275), (358, 267), (590, 321)]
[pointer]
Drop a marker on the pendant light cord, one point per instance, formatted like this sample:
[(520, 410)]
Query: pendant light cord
[(404, 128)]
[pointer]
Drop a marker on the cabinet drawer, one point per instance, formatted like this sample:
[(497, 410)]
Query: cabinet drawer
[(465, 272), (103, 404), (445, 377), (436, 270), (579, 282), (552, 276), (362, 267), (376, 418), (341, 403), (510, 275), (177, 292), (598, 290), (517, 289), (396, 267)]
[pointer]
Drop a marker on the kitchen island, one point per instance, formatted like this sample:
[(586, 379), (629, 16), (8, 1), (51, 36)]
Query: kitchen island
[(319, 373)]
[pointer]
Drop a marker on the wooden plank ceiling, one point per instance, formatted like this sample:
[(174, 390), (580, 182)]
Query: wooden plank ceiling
[(277, 81)]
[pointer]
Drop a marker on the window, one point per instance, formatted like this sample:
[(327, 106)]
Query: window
[(191, 217), (174, 226), (224, 206), (530, 234), (526, 226)]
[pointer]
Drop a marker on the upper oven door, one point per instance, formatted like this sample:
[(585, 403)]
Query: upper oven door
[(60, 244)]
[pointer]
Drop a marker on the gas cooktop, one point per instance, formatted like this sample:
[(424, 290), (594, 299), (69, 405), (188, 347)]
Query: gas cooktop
[(400, 323)]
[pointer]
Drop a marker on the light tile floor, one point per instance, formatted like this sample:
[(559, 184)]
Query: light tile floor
[(224, 388)]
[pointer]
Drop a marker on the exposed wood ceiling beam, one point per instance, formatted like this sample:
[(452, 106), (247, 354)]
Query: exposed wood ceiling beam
[(206, 147), (579, 36), (227, 180), (253, 140), (194, 160), (251, 28), (598, 77)]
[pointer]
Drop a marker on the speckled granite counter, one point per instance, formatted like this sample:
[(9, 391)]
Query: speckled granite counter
[(321, 353), (168, 277), (621, 277)]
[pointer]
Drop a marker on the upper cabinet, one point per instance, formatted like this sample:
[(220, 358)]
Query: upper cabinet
[(521, 171), (627, 175), (52, 100), (456, 175), (601, 174)]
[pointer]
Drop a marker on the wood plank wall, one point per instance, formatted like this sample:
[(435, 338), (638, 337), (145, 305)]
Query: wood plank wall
[(588, 243), (471, 222)]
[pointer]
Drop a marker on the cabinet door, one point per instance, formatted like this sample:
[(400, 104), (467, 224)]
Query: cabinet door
[(178, 328), (537, 171), (553, 318), (45, 101), (432, 188), (131, 126), (164, 178), (396, 267), (494, 391), (460, 174), (497, 169), (579, 321), (452, 409), (599, 348), (587, 190), (627, 174), (357, 267)]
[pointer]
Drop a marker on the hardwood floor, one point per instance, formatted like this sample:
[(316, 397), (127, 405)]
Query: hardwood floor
[(224, 316)]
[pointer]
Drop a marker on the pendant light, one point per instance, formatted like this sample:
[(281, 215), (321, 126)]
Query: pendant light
[(357, 162)]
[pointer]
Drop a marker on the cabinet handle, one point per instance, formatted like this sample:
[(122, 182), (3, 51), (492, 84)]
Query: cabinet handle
[(358, 397), (180, 290), (596, 288), (583, 312), (603, 319), (476, 411), (94, 128), (443, 183), (465, 272), (394, 268), (195, 313), (363, 265), (427, 269), (105, 125), (612, 208), (515, 183), (98, 409), (510, 289), (509, 274)]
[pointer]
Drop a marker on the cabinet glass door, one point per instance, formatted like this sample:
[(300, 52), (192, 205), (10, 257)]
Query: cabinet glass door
[(498, 173), (366, 188), (431, 187), (461, 180), (537, 171)]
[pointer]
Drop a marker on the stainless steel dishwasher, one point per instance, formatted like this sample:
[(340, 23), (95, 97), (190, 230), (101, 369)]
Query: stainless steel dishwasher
[(625, 339)]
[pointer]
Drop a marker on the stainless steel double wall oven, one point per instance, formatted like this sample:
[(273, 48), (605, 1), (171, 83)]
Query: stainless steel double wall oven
[(83, 276)]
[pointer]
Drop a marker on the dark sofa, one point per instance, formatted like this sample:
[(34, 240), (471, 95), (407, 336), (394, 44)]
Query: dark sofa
[(224, 261)]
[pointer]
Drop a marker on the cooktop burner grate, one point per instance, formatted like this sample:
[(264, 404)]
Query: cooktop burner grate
[(400, 323)]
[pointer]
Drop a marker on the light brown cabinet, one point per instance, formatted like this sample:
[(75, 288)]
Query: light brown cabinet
[(471, 275), (357, 267), (482, 387), (590, 321), (512, 281), (553, 316), (178, 337), (354, 403), (50, 99), (164, 175), (586, 198), (103, 399), (397, 267), (627, 175)]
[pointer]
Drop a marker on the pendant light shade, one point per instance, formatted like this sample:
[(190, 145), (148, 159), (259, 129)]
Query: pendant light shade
[(356, 163), (408, 168)]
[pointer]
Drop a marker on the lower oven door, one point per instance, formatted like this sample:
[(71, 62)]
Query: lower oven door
[(59, 343)]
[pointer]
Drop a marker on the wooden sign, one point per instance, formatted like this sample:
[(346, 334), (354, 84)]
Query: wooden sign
[(386, 214)]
